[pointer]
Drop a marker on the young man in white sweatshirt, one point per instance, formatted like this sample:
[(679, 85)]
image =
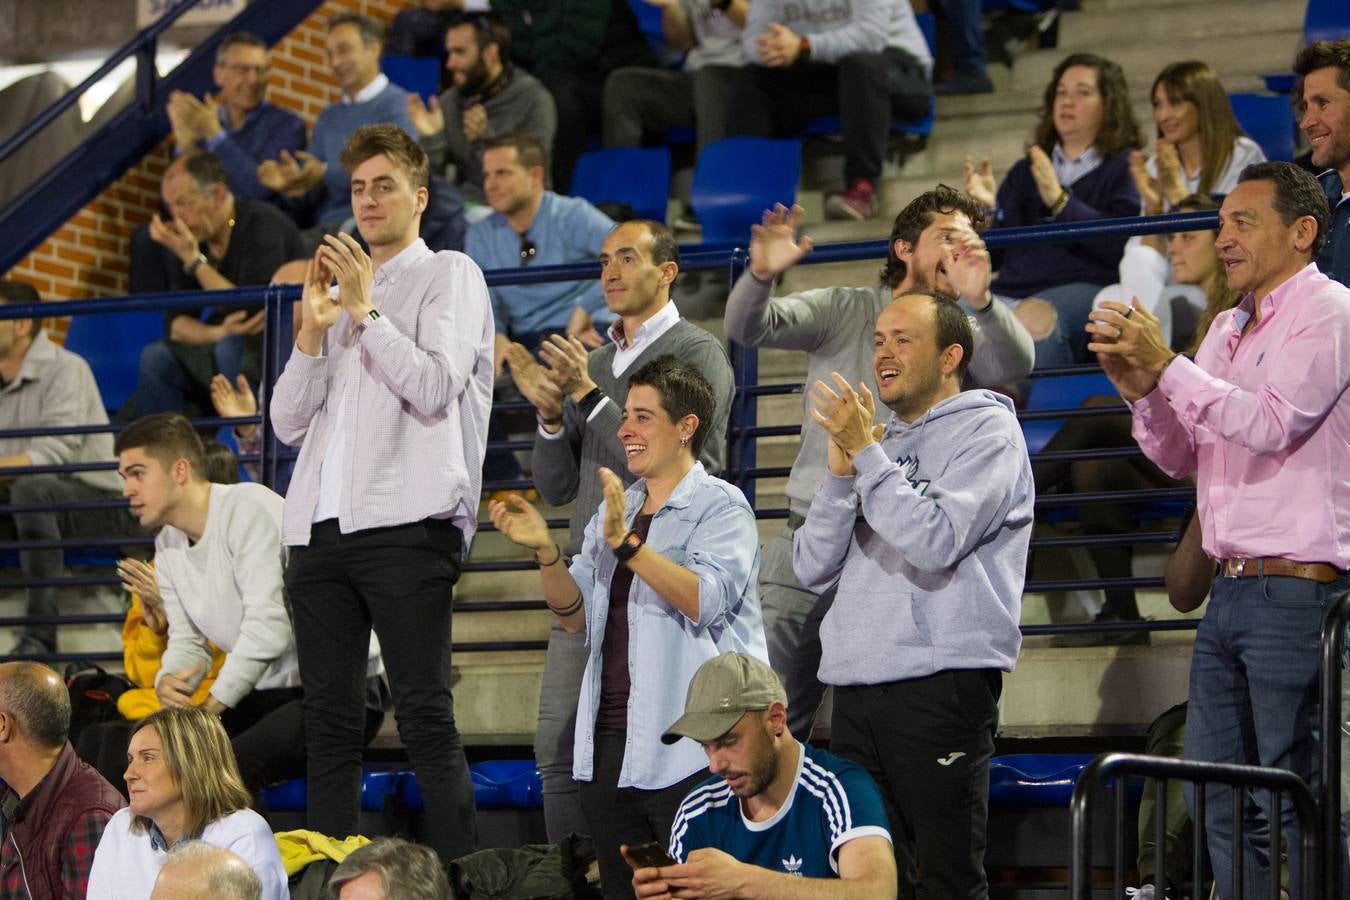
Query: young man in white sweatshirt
[(218, 560)]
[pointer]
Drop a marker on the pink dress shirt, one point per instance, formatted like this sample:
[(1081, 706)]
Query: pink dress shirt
[(1265, 422)]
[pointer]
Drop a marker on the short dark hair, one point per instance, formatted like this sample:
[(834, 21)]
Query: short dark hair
[(207, 169), (488, 28), (166, 437), (404, 869), (951, 326), (238, 39), (683, 391), (1119, 129), (22, 292), (917, 215), (529, 151), (372, 30), (1321, 55), (664, 246), (219, 464), (1297, 194), (370, 141), (41, 710)]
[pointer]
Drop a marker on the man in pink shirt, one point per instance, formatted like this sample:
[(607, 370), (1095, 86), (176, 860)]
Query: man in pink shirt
[(1261, 418)]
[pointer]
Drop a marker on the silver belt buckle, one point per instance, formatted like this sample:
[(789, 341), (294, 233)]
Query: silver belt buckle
[(1241, 566)]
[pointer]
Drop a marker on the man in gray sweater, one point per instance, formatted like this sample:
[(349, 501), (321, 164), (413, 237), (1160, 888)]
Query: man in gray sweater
[(922, 527), (934, 245), (490, 96), (579, 399)]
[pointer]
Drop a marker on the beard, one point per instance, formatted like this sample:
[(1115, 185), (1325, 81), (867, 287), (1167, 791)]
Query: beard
[(475, 80)]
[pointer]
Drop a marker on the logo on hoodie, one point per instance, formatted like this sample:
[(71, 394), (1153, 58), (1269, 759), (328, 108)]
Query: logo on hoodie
[(909, 467)]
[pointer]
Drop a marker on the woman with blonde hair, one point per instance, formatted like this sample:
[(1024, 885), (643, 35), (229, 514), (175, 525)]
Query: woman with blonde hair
[(183, 784)]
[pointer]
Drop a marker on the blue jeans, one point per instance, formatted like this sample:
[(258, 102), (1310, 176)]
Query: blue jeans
[(1067, 343), (1253, 701), (171, 373)]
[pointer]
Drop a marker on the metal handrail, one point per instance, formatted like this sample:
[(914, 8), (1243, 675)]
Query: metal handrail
[(1334, 629), (1121, 765), (131, 48)]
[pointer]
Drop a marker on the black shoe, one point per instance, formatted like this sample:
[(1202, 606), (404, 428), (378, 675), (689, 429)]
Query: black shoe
[(1102, 638), (965, 83), (27, 645)]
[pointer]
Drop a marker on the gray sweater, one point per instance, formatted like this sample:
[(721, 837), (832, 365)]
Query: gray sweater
[(927, 545), (565, 466), (834, 327), (523, 104)]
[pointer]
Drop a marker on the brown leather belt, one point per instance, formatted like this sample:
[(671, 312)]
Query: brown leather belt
[(1247, 567)]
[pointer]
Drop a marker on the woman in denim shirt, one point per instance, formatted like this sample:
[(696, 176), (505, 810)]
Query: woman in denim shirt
[(665, 580)]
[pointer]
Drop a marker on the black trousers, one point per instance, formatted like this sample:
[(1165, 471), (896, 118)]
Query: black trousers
[(625, 815), (864, 89), (398, 581), (927, 742)]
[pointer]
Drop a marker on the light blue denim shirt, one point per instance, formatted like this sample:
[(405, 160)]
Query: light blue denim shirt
[(708, 528)]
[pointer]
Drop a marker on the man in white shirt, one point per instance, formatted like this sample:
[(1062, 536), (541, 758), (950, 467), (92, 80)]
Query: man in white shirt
[(218, 561), (387, 394)]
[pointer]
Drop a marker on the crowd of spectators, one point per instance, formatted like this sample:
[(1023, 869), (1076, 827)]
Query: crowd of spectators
[(269, 633)]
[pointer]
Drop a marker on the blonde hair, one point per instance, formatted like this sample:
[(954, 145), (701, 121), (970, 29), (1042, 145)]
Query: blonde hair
[(201, 763)]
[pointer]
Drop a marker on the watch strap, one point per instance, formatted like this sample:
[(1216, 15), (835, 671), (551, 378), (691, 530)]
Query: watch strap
[(628, 548)]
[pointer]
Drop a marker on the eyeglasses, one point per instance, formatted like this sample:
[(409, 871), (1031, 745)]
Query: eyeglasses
[(527, 251)]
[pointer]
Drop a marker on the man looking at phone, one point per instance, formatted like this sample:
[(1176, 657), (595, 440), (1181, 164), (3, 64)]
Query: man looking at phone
[(778, 818)]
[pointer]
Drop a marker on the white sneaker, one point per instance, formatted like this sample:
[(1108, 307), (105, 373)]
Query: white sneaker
[(1143, 892)]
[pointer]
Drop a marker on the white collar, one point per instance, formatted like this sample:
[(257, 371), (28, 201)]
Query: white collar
[(657, 325), (369, 92)]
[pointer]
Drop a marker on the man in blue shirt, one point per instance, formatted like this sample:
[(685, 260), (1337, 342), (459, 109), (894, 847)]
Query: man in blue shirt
[(238, 125), (778, 818)]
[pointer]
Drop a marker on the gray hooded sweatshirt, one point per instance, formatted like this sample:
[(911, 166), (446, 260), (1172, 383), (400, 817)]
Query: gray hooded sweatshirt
[(927, 544)]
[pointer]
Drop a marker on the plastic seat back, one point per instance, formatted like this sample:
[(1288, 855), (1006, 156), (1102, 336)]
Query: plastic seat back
[(636, 176), (112, 345), (736, 179), (1268, 120)]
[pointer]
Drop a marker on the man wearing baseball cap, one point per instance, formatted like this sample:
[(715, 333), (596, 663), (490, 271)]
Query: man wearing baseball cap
[(778, 819)]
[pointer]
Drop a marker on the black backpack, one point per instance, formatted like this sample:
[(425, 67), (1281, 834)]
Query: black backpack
[(93, 697)]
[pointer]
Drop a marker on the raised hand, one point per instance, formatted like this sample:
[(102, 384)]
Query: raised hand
[(1170, 178), (232, 402), (352, 268), (616, 522), (1129, 345), (1043, 173), (846, 415), (980, 184), (139, 578), (1150, 191), (427, 118), (567, 361), (318, 309), (520, 522), (774, 244), (970, 270), (533, 382)]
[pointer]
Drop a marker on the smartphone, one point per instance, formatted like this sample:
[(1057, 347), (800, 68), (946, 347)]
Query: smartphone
[(651, 855)]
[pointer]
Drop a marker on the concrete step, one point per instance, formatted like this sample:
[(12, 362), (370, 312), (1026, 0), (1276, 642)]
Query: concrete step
[(1237, 55), (1213, 23)]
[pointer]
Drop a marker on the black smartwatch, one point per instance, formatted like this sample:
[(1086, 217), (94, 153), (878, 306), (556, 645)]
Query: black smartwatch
[(628, 547)]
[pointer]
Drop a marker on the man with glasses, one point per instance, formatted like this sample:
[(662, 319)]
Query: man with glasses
[(237, 125), (489, 95)]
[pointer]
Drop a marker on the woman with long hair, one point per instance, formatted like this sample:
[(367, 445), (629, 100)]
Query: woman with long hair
[(1200, 149), (665, 580), (1077, 169), (183, 783), (1194, 262)]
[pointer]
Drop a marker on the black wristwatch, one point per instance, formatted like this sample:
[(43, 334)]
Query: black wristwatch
[(632, 542)]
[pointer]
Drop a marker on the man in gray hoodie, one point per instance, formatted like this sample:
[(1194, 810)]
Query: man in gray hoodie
[(922, 527), (934, 246)]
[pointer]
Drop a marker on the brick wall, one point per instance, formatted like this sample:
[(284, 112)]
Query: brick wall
[(87, 257)]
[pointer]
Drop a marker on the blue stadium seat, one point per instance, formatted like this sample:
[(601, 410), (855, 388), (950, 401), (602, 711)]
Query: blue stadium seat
[(637, 176), (112, 345), (1059, 392), (649, 23), (1268, 120), (497, 784), (1326, 20), (736, 179), (415, 74), (376, 786), (1042, 779)]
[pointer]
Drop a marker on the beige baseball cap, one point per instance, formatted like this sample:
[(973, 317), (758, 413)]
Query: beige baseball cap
[(723, 689)]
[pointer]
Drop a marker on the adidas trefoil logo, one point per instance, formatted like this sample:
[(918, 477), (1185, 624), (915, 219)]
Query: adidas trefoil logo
[(792, 865)]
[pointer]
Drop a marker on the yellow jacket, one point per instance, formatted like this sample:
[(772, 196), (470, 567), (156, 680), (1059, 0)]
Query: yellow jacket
[(299, 848), (141, 652)]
